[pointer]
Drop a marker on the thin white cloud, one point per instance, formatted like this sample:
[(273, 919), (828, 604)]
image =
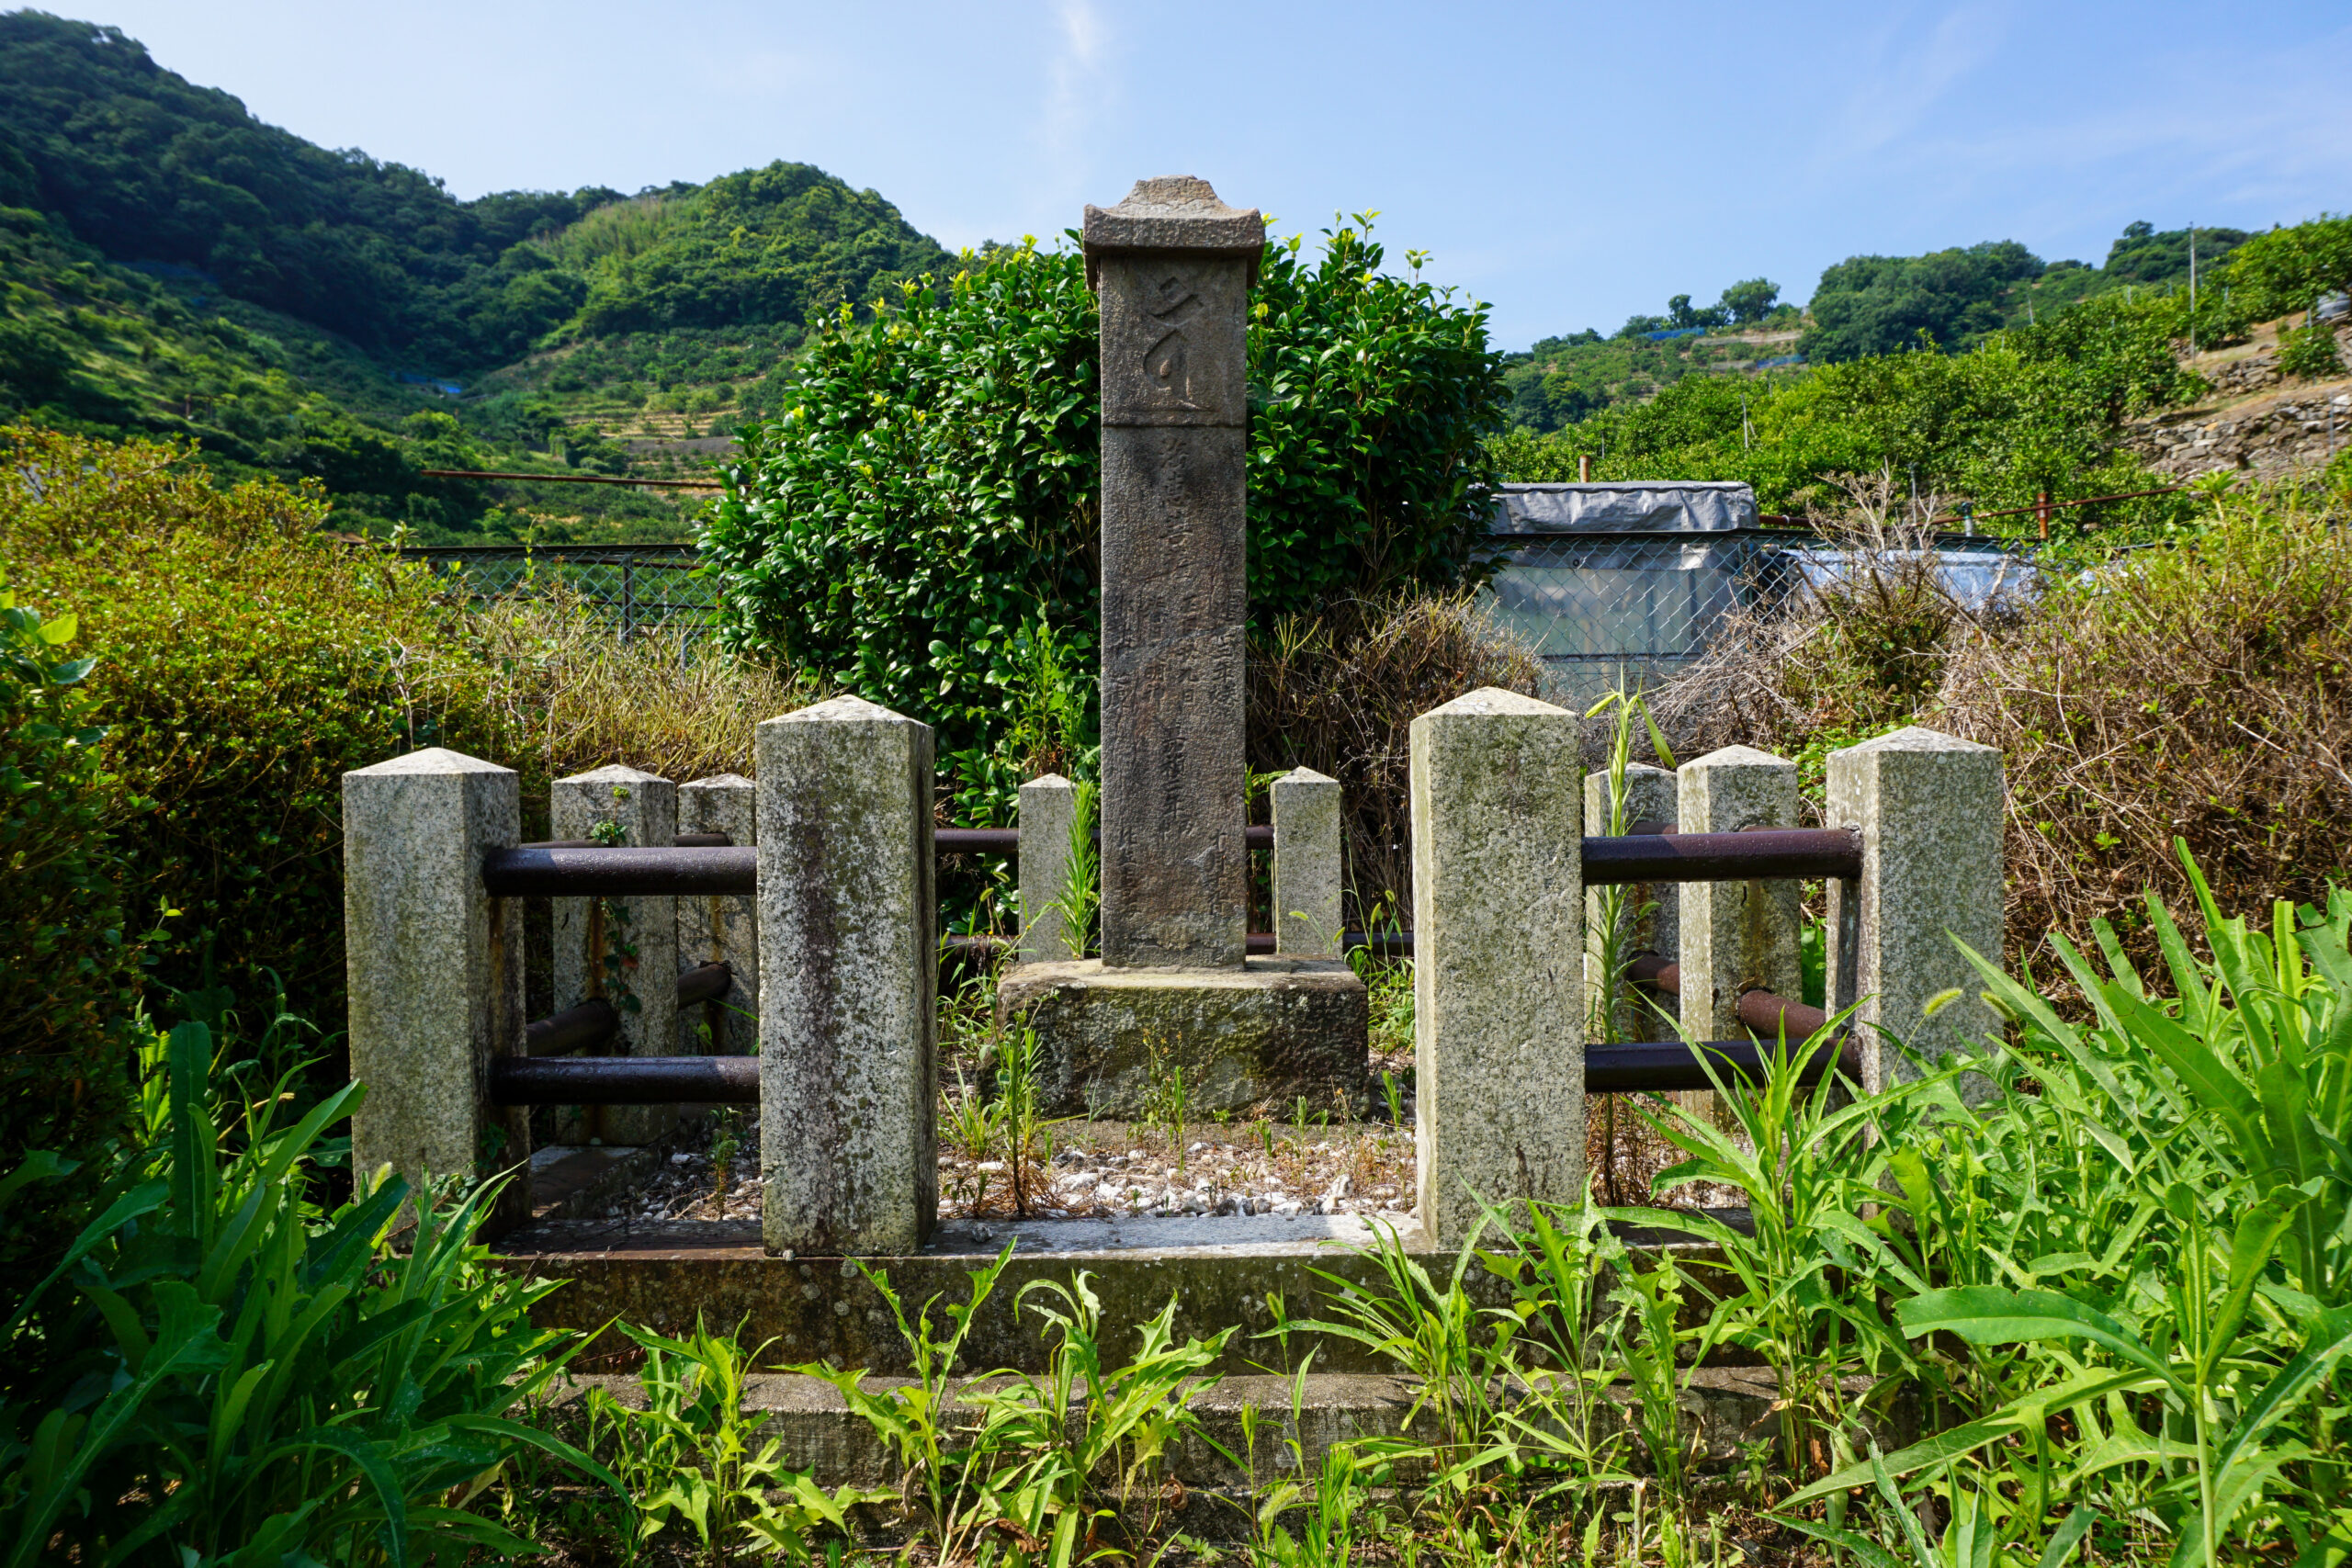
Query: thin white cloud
[(2287, 135), (1899, 85), (1076, 88)]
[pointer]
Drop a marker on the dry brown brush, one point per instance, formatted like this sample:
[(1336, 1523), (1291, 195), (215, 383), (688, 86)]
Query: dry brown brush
[(2200, 689), (1339, 692)]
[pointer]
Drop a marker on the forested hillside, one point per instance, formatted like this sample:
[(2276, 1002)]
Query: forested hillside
[(172, 266), (1861, 306), (169, 265)]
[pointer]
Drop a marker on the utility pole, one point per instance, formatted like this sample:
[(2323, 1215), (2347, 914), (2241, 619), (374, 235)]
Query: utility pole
[(2192, 286)]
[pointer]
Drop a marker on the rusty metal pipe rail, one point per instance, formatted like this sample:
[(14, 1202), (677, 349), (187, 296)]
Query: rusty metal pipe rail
[(1654, 1067), (1722, 857), (582, 1028), (533, 870), (566, 869), (1007, 841), (625, 1080), (1661, 1067), (596, 1020), (1761, 1012)]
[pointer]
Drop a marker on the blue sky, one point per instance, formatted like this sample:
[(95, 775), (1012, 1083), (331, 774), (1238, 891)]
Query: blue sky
[(1569, 164)]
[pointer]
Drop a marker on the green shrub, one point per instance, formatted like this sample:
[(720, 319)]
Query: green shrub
[(2032, 408), (930, 493), (69, 985), (217, 1371), (2309, 351), (248, 661), (2287, 268)]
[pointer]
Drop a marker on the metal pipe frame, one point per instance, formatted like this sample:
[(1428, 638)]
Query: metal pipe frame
[(562, 870), (1659, 1066), (1007, 841), (596, 1020), (625, 1080), (529, 870), (1724, 857), (1763, 1013)]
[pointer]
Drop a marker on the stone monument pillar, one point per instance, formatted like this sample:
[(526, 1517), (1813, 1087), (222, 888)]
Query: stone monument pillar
[(1173, 265)]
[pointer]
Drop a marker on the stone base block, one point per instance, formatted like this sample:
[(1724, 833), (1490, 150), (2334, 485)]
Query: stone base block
[(1261, 1035)]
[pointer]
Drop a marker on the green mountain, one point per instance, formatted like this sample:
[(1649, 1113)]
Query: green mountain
[(172, 266), (1863, 305)]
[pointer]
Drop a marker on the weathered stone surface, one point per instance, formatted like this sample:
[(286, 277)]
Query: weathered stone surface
[(1499, 956), (2294, 429), (1930, 810), (726, 929), (1174, 212), (1221, 1272), (645, 806), (1309, 829), (1737, 936), (1048, 811), (1648, 913), (1175, 593), (849, 980), (434, 967), (1271, 1031), (1172, 267)]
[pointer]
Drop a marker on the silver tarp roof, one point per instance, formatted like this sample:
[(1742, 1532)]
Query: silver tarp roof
[(1619, 506)]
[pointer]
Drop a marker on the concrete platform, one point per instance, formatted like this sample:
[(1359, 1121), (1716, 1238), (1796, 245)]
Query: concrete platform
[(1264, 1035), (1724, 1411), (1222, 1270)]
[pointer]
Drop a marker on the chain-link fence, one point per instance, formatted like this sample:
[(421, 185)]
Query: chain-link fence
[(1597, 607), (629, 586), (1638, 607)]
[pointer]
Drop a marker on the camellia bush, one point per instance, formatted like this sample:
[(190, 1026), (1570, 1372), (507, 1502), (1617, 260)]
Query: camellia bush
[(924, 510)]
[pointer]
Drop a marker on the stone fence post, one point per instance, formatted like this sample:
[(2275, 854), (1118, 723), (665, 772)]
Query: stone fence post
[(1649, 916), (1048, 811), (434, 967), (849, 962), (1498, 965), (1309, 825), (1737, 936), (725, 928), (595, 939), (1930, 809)]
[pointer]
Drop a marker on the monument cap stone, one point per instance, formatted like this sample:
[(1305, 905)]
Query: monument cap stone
[(1172, 212)]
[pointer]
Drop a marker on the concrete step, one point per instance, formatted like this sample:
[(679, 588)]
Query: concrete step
[(1223, 1271), (1724, 1411)]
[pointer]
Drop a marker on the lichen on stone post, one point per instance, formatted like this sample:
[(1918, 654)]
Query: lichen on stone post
[(849, 981), (623, 949), (1930, 809), (1173, 265), (1498, 957), (1648, 913), (725, 927), (1048, 812), (1736, 936), (1309, 831), (434, 970)]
